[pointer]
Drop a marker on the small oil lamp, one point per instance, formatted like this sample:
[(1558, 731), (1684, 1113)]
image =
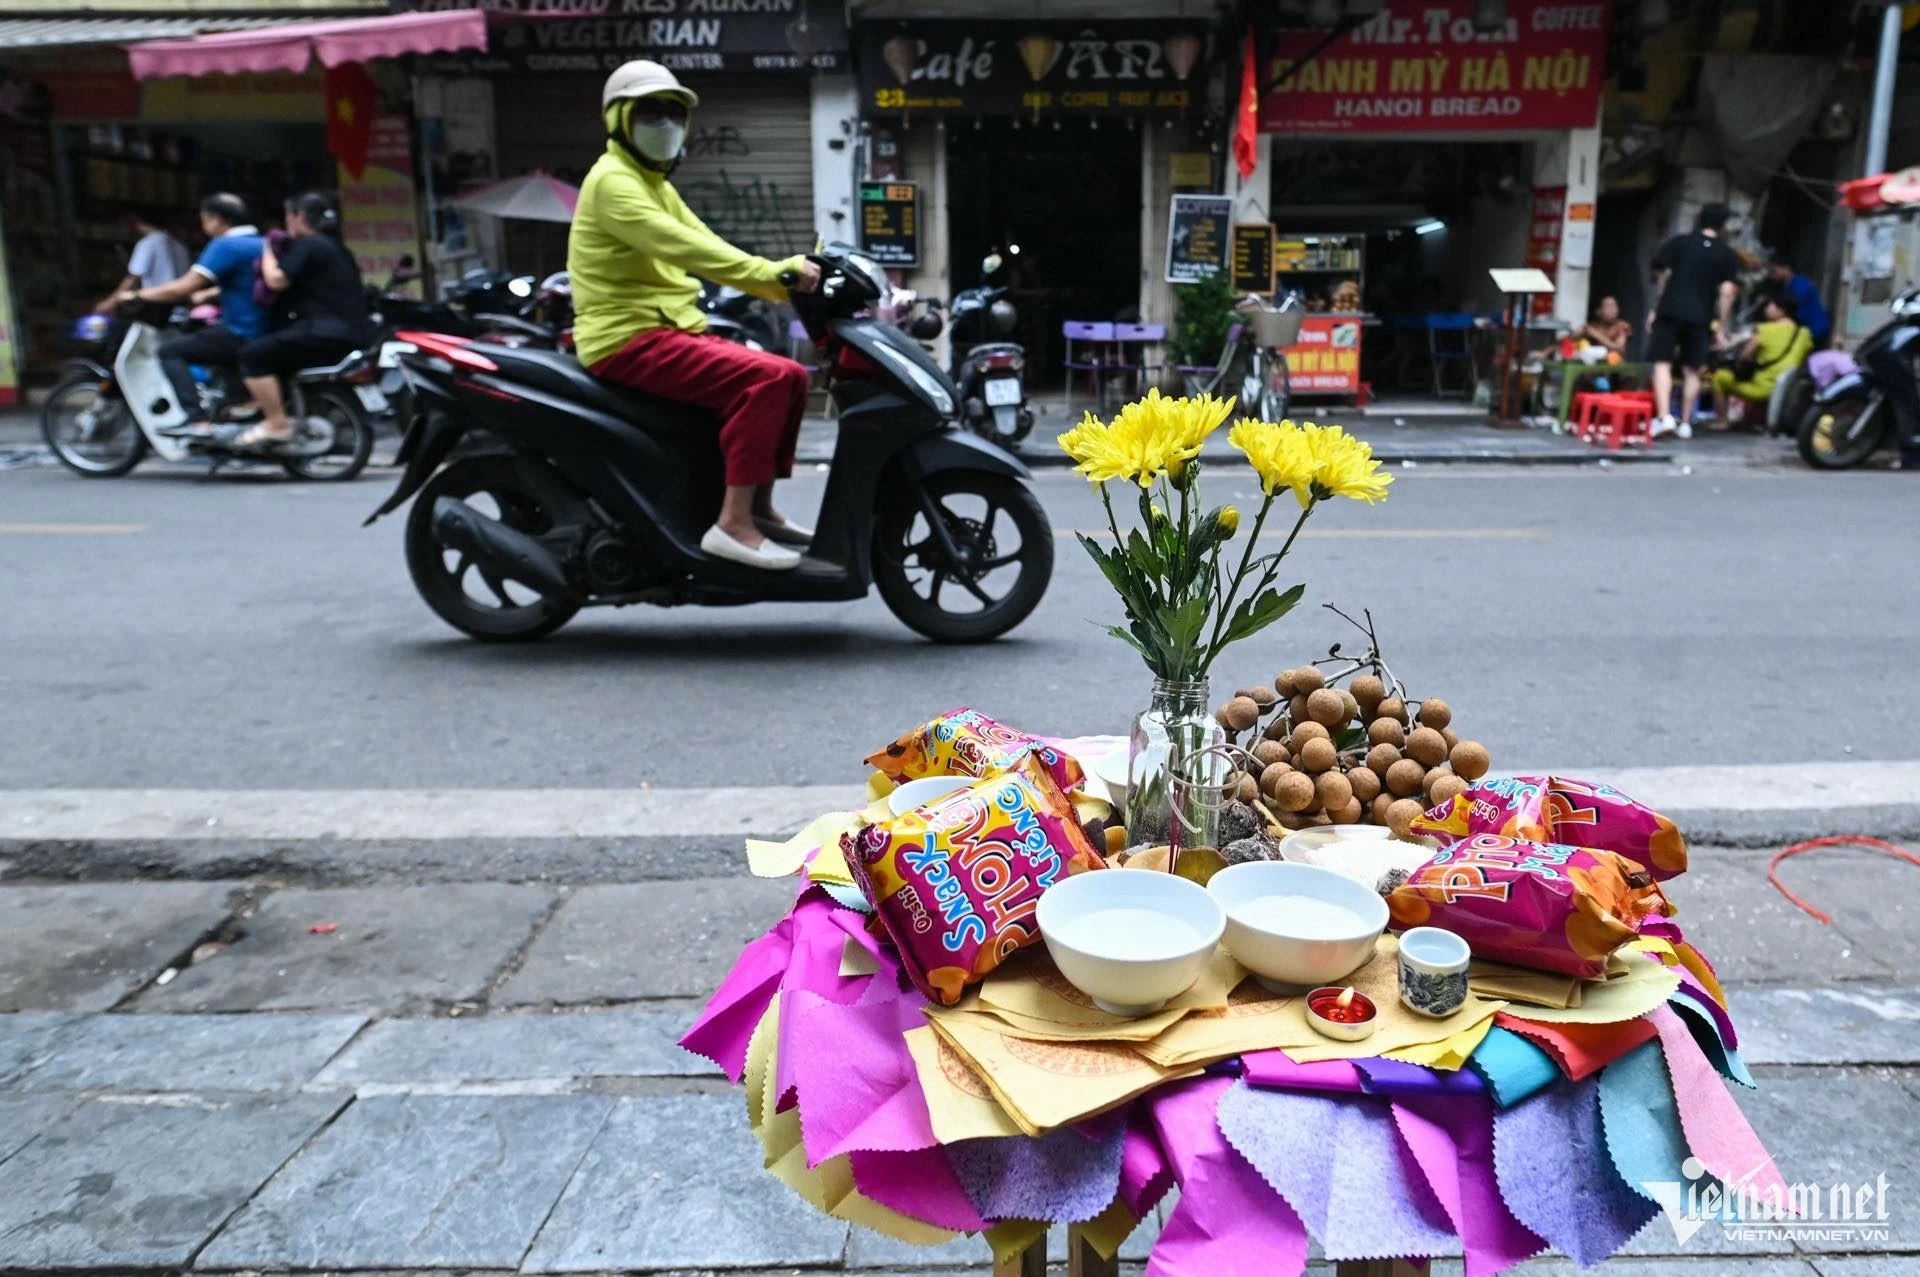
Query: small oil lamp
[(1345, 1015)]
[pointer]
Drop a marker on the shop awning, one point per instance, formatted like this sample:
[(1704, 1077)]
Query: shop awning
[(1883, 190), (66, 33), (290, 46)]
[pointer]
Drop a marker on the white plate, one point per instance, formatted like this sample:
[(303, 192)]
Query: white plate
[(1002, 391), (1361, 852), (918, 793)]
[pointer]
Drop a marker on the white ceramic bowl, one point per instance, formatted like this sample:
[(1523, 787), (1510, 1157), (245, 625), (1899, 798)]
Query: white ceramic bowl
[(1129, 938), (1295, 926), (918, 793), (1361, 852)]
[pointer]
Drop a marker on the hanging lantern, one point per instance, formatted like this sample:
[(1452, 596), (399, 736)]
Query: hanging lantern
[(1183, 51), (900, 54), (1039, 51)]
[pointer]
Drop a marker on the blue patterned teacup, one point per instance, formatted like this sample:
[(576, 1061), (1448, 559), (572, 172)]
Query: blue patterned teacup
[(1433, 971)]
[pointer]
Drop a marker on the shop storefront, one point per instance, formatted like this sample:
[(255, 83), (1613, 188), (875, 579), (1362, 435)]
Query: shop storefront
[(1056, 144), (767, 74), (1405, 159)]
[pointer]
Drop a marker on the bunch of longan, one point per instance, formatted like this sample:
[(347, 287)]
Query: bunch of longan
[(1350, 755)]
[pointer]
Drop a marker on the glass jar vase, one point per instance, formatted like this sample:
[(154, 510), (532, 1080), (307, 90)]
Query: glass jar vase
[(1175, 724)]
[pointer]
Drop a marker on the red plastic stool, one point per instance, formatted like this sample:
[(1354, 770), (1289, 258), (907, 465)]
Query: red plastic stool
[(1585, 407), (1625, 419)]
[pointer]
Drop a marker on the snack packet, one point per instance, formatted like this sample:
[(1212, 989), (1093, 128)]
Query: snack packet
[(1557, 809), (1531, 904), (966, 742), (955, 883)]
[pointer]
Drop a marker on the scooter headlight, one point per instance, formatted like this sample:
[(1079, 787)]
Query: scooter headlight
[(923, 380), (1907, 303)]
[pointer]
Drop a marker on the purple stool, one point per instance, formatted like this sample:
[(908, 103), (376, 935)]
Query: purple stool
[(1100, 336)]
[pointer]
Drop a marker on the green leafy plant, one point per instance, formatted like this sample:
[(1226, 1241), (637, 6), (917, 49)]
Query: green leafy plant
[(1200, 326)]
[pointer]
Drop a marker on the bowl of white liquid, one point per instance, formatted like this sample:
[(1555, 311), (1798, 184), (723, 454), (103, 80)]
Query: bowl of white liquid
[(1297, 927), (928, 789), (1129, 938)]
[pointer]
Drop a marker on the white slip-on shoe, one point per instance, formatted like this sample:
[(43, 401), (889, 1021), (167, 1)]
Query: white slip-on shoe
[(1662, 426), (766, 555), (784, 531), (1684, 430)]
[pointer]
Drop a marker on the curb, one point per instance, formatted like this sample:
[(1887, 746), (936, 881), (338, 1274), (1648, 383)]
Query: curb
[(1059, 461)]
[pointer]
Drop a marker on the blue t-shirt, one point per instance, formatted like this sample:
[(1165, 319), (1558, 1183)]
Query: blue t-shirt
[(1811, 314), (230, 259)]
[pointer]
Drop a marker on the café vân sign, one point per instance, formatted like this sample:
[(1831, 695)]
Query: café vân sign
[(1003, 68)]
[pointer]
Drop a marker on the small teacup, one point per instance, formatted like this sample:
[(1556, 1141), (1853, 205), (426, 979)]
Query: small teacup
[(1433, 971)]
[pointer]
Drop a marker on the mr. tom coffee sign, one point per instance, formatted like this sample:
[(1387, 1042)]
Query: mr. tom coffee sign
[(1005, 68)]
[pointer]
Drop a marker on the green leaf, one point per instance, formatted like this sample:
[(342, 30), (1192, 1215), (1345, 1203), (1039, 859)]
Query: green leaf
[(1260, 611), (1351, 738), (1127, 638), (1184, 625), (1149, 564)]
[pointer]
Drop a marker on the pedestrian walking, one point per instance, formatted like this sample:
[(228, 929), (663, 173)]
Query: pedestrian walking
[(1696, 278)]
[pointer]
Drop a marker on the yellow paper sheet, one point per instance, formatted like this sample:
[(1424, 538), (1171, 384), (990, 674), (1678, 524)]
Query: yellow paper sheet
[(1519, 984), (1141, 1029), (1696, 963), (855, 960), (1106, 1231), (830, 866), (959, 1102), (1450, 1053), (1646, 985), (1397, 1028), (1252, 1020), (1030, 985), (1043, 1085), (1011, 1238), (781, 859)]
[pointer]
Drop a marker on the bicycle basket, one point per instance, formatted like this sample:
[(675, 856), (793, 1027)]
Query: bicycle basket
[(1276, 328)]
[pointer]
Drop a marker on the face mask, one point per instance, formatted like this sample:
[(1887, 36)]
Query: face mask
[(659, 142)]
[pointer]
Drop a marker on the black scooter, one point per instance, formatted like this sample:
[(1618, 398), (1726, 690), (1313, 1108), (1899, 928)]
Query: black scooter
[(1875, 407), (740, 317), (603, 493), (990, 372)]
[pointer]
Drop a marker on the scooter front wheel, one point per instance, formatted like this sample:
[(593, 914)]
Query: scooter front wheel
[(963, 557), (91, 430), (1841, 434)]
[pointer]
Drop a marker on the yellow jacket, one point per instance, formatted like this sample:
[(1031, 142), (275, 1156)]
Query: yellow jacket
[(632, 254)]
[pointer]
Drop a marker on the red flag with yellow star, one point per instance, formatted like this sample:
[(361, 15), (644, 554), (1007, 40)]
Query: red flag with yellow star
[(1246, 126), (352, 100)]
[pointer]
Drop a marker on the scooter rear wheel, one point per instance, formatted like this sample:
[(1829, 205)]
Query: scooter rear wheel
[(1005, 561), (493, 611), (1842, 434)]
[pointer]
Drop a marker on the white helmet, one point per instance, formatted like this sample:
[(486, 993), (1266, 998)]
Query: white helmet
[(643, 78)]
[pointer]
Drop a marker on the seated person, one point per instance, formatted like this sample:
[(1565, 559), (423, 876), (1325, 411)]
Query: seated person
[(1607, 328), (1779, 344), (1809, 309), (324, 305), (632, 255), (226, 263)]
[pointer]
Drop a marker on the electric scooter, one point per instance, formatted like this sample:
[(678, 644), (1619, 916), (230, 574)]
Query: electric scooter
[(599, 495), (103, 419), (1872, 407)]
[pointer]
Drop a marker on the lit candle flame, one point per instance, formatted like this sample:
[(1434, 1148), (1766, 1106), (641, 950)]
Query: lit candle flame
[(1345, 999)]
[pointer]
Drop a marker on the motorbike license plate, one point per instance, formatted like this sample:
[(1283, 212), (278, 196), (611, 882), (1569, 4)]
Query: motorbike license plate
[(371, 398), (1002, 391)]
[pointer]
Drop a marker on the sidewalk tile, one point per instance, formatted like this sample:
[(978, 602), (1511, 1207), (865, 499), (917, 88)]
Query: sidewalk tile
[(416, 1182), (395, 949), (565, 1048), (1865, 1265), (1753, 934), (1847, 1024), (85, 947), (1850, 1127), (140, 1184), (675, 1181), (1871, 899), (24, 1116), (673, 939), (26, 1037), (276, 1052), (867, 1249)]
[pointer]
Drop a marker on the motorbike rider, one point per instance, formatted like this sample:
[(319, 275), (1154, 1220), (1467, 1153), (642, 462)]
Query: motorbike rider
[(632, 255), (325, 304), (227, 262)]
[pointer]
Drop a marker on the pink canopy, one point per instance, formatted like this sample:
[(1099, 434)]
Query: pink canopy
[(532, 197), (291, 46)]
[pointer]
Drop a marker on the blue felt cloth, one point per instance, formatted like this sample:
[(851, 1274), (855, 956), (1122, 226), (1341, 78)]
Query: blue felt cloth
[(1512, 1067)]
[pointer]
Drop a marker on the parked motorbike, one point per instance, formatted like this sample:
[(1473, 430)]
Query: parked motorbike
[(112, 407), (740, 317), (606, 492), (990, 372), (1871, 408)]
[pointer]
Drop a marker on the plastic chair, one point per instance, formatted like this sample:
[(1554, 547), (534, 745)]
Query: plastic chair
[(1100, 335), (1450, 340), (1131, 338)]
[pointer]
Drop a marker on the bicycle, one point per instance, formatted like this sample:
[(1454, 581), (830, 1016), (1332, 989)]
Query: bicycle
[(1252, 358)]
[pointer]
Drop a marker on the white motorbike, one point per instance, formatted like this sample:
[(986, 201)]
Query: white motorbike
[(103, 419)]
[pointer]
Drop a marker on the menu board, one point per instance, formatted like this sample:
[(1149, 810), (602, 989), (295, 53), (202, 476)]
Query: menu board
[(1197, 231), (1253, 257), (890, 222)]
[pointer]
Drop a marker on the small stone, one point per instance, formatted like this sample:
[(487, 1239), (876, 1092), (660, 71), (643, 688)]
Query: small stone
[(1245, 850)]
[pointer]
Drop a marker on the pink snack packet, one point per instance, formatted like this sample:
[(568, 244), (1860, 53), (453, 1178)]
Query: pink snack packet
[(965, 742), (1556, 809)]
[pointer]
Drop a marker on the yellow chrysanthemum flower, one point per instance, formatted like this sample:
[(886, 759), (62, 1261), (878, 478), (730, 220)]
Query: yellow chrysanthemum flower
[(1183, 423), (1147, 439), (1279, 454), (1344, 466)]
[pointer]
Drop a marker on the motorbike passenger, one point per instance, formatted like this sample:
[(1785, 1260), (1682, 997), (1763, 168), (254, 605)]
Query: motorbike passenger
[(632, 254), (324, 305), (226, 263)]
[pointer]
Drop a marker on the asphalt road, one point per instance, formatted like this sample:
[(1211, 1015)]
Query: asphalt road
[(158, 631)]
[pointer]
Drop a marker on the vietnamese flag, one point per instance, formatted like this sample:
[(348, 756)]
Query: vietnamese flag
[(1246, 125), (352, 100)]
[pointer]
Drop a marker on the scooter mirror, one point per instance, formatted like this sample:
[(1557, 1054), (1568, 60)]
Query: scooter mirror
[(990, 263), (925, 327)]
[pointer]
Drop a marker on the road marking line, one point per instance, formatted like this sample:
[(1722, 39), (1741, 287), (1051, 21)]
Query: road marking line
[(1366, 534), (72, 529), (443, 815)]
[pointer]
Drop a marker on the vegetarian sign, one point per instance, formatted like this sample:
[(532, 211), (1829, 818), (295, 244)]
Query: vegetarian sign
[(1424, 69)]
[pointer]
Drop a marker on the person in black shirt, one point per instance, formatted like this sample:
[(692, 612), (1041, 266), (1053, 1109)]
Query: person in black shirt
[(1696, 276), (325, 309)]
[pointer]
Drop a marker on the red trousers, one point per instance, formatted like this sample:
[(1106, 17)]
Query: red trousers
[(758, 397)]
